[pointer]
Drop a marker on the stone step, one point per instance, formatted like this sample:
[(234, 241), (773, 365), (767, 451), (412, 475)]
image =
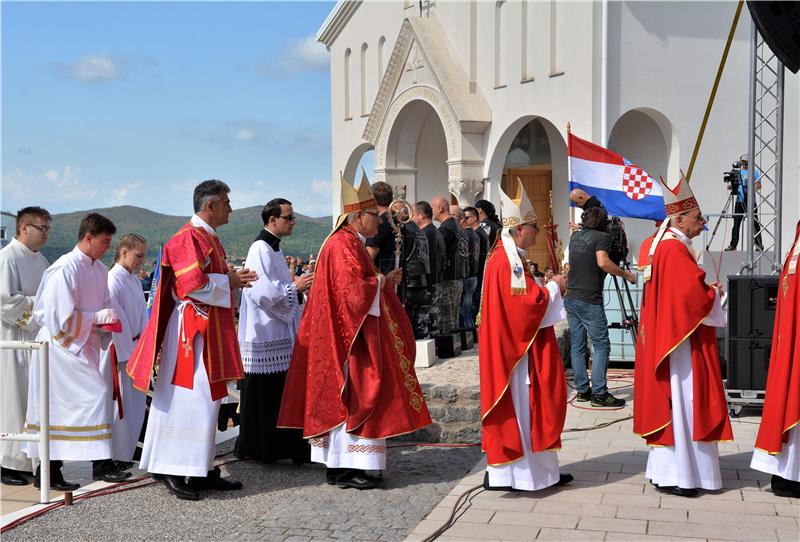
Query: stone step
[(456, 414)]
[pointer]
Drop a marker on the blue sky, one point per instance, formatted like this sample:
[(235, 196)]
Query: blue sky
[(134, 103)]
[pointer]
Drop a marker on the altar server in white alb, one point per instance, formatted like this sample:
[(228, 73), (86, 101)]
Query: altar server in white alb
[(21, 270), (73, 308), (191, 328), (128, 403), (268, 320)]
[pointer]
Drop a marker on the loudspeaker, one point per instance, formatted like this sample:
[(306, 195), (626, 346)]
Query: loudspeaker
[(779, 25), (748, 364), (752, 301), (448, 346)]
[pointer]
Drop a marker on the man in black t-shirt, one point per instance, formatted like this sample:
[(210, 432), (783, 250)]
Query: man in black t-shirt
[(470, 247), (488, 220), (453, 273), (381, 247), (471, 216), (425, 315), (588, 265)]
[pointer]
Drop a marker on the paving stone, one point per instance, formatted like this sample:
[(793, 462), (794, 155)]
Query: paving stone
[(568, 534), (651, 501), (534, 519), (724, 532), (601, 510), (613, 525), (789, 510), (750, 520), (658, 514)]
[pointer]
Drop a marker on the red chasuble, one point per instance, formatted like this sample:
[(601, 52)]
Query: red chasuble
[(509, 329), (348, 366), (187, 258), (676, 301), (782, 400)]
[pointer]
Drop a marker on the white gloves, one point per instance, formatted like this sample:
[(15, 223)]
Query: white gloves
[(105, 316)]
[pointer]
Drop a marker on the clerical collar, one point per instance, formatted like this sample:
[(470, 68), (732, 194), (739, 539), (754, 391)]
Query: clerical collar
[(198, 222), (269, 238), (361, 237)]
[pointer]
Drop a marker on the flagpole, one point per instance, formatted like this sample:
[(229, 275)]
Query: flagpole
[(572, 214)]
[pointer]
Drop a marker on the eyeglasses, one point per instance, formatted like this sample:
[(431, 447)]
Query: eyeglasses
[(290, 218), (535, 226), (41, 227), (373, 213), (699, 218)]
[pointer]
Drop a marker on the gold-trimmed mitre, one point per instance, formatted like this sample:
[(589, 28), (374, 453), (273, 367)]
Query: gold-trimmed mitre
[(357, 200), (518, 210)]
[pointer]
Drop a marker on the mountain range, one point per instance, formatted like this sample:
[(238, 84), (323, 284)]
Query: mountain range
[(157, 228)]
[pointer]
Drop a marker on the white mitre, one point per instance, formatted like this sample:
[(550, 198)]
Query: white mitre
[(515, 211)]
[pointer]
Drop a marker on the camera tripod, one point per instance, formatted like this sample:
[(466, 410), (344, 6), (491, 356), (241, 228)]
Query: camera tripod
[(729, 204), (630, 318)]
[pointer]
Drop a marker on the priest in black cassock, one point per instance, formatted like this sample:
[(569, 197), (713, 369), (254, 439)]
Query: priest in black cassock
[(268, 319)]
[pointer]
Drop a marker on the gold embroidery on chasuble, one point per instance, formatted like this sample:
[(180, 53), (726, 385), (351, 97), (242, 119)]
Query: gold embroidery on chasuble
[(785, 285)]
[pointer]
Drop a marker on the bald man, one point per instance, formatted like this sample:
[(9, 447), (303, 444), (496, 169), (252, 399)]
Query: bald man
[(453, 282)]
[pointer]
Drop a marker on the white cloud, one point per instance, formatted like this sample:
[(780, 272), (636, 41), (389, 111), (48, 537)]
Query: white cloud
[(94, 68), (121, 193), (244, 135), (50, 189), (321, 187), (306, 54)]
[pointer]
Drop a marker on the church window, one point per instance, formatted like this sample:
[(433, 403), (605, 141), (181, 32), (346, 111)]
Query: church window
[(347, 115), (556, 38), (500, 28), (364, 104)]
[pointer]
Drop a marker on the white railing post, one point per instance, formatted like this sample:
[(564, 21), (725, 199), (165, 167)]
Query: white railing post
[(44, 422), (43, 438)]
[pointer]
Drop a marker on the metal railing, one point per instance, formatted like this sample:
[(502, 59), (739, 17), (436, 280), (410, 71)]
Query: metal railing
[(43, 437)]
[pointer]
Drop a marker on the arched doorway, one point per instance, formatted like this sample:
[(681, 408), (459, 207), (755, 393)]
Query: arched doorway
[(646, 137), (416, 152), (533, 150), (363, 155)]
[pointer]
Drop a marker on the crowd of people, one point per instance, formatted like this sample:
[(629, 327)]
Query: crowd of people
[(324, 349)]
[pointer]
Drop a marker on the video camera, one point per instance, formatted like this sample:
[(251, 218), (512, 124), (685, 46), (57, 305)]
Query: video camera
[(733, 177)]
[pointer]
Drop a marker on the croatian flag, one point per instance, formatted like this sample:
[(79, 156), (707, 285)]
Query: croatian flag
[(625, 189)]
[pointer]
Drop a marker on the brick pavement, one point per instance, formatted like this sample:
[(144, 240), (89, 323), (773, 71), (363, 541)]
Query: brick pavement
[(611, 500)]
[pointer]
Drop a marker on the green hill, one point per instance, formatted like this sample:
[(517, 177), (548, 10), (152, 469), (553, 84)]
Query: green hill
[(236, 236)]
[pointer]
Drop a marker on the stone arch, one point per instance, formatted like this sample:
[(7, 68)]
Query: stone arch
[(438, 103), (646, 136), (350, 169), (556, 159)]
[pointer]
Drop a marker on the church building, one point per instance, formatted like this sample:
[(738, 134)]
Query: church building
[(460, 96)]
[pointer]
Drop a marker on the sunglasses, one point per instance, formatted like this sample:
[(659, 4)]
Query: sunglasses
[(41, 227), (290, 218)]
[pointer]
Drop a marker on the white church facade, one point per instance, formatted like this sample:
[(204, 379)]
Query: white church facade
[(458, 96)]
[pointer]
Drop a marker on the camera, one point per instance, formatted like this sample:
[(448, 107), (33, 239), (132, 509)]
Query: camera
[(733, 177)]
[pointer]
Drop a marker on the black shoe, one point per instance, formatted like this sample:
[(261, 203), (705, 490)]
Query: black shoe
[(57, 481), (564, 479), (178, 486), (607, 400), (679, 491), (215, 481), (356, 479), (584, 396), (331, 475), (487, 487), (107, 471), (11, 477), (377, 480), (785, 488), (730, 248), (123, 465)]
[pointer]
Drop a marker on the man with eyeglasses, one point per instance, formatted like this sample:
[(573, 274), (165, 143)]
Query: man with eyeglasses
[(351, 382), (680, 408), (268, 320), (21, 270)]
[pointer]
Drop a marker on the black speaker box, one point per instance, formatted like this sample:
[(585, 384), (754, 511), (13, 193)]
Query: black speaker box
[(748, 363), (467, 340), (779, 25), (448, 346), (752, 301)]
